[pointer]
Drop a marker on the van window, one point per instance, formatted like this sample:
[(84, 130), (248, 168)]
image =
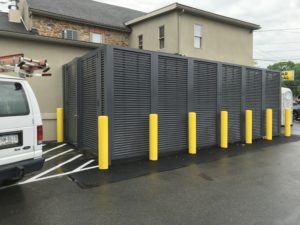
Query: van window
[(13, 100)]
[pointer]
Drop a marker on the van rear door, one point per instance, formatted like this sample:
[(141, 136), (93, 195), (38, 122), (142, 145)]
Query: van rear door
[(17, 130)]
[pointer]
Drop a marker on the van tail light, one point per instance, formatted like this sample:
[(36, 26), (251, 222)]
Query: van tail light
[(39, 135)]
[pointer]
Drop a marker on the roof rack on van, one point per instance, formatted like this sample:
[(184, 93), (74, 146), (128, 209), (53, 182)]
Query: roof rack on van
[(24, 67)]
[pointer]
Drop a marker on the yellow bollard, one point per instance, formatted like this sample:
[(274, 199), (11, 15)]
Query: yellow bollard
[(224, 129), (192, 133), (103, 142), (269, 118), (287, 129), (248, 127), (153, 137), (60, 125)]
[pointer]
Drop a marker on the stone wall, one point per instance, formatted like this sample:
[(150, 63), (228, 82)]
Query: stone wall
[(54, 28)]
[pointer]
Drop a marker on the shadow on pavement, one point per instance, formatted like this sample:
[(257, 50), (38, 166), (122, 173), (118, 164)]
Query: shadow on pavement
[(129, 169)]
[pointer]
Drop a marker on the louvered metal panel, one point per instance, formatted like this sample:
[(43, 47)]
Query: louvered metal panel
[(102, 88), (65, 100), (172, 103), (132, 103), (127, 85), (205, 102), (88, 102), (272, 98), (231, 100), (70, 102), (254, 100)]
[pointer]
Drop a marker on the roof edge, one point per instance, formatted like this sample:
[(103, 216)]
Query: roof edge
[(77, 20), (49, 39), (192, 10)]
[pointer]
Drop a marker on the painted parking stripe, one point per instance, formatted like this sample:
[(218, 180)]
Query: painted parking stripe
[(52, 149), (51, 169), (59, 175), (84, 165), (60, 154), (52, 176)]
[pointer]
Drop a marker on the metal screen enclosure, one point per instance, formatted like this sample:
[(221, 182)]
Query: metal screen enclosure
[(231, 100), (205, 102), (128, 85), (70, 102)]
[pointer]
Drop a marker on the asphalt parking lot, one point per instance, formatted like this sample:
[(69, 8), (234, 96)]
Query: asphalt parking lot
[(257, 185)]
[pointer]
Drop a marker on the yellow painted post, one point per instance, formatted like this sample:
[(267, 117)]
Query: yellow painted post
[(153, 137), (103, 142), (269, 116), (60, 125), (224, 129), (248, 126), (192, 133), (287, 130)]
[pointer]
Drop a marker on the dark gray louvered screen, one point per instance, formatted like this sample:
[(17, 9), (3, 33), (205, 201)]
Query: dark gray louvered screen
[(205, 102), (132, 103), (70, 102), (231, 100), (254, 100), (88, 101), (65, 99), (127, 85), (102, 88), (172, 104), (272, 98)]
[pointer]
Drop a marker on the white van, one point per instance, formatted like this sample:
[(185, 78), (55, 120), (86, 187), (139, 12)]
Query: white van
[(21, 130)]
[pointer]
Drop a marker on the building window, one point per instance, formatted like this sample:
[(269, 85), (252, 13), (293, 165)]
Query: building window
[(70, 34), (96, 38), (197, 36), (140, 41), (161, 37)]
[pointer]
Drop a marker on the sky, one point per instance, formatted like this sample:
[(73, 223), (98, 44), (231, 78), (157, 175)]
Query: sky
[(279, 38)]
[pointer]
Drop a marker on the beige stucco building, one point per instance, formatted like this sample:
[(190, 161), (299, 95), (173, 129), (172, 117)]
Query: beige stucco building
[(221, 38), (60, 31), (48, 90)]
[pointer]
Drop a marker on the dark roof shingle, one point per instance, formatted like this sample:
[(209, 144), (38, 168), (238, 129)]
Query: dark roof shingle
[(87, 11)]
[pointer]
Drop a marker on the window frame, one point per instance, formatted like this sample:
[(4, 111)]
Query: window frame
[(101, 39), (199, 37), (65, 36), (25, 98), (140, 41), (162, 38)]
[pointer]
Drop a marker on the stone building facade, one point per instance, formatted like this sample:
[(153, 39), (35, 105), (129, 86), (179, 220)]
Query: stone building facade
[(51, 27)]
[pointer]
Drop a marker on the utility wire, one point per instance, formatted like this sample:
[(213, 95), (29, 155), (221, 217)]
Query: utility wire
[(280, 29), (275, 60), (285, 50), (281, 43)]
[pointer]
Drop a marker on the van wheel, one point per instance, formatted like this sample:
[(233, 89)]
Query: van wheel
[(11, 181), (19, 176)]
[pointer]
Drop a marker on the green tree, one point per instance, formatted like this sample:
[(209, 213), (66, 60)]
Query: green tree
[(293, 85)]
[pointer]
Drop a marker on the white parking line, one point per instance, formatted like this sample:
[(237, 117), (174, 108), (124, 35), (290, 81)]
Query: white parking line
[(84, 165), (57, 155), (59, 175), (50, 170), (52, 149)]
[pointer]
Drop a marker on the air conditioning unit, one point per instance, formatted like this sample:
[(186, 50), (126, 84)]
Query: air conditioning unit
[(14, 14), (70, 34)]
